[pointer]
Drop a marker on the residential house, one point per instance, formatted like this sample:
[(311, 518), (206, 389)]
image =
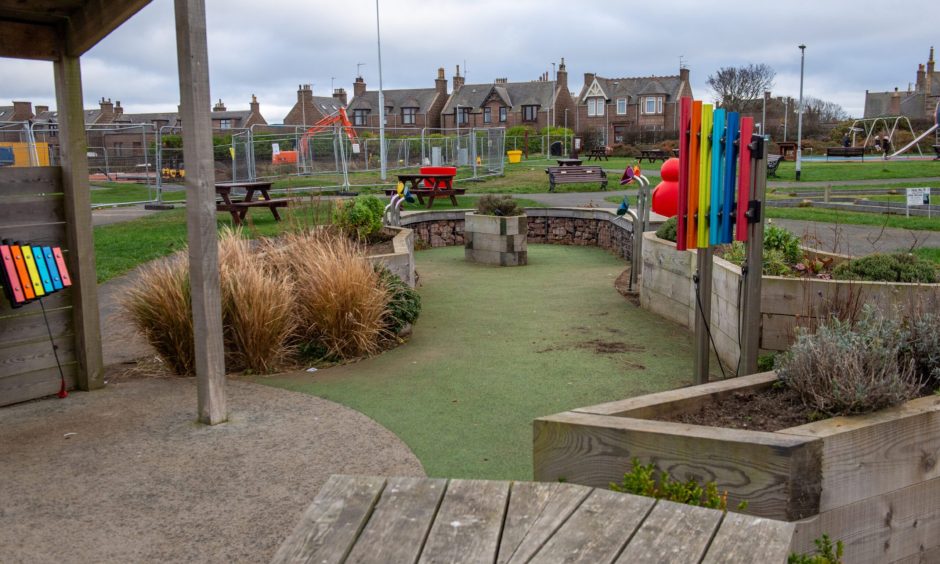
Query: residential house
[(411, 108), (310, 109), (620, 110), (536, 103), (918, 102)]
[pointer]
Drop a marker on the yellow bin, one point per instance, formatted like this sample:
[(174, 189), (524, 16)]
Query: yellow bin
[(514, 156)]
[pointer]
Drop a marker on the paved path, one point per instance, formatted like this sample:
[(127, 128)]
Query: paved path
[(107, 216)]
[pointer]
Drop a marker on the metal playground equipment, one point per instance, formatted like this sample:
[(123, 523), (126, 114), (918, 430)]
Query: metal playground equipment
[(917, 139)]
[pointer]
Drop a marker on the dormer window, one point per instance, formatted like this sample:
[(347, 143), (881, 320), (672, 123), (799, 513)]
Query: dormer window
[(360, 117), (596, 106)]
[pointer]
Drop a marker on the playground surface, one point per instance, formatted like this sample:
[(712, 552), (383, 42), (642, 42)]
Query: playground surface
[(497, 347), (125, 474)]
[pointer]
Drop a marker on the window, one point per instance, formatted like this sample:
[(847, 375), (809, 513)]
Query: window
[(596, 106), (619, 131), (503, 114), (462, 115), (621, 106), (408, 115), (530, 113), (225, 124), (388, 112), (487, 115), (360, 117), (653, 105)]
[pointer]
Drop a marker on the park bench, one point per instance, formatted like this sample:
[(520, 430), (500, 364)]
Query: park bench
[(845, 152), (432, 193), (575, 175), (375, 519), (773, 161)]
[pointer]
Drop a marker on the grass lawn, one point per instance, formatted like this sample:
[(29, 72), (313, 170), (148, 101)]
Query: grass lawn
[(928, 253), (497, 347), (868, 170), (121, 247), (120, 192), (855, 218)]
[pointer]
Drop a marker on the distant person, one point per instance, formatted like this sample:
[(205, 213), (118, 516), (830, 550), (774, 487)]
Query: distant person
[(878, 143), (846, 142), (886, 145)]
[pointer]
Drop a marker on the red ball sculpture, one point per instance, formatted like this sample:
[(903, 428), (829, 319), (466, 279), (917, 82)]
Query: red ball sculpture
[(666, 194)]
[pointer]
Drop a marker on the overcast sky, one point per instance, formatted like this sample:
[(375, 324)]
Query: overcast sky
[(269, 47)]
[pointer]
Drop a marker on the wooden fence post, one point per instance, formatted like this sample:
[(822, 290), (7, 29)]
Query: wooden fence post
[(193, 60), (754, 263)]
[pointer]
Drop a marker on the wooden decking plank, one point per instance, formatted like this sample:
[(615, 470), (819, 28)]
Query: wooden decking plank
[(536, 511), (672, 533), (597, 530), (400, 522), (468, 522), (329, 528), (748, 539)]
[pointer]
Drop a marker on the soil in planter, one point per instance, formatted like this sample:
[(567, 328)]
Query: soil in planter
[(380, 244), (768, 409)]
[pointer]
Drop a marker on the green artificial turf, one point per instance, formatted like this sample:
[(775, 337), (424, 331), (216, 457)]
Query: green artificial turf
[(495, 348)]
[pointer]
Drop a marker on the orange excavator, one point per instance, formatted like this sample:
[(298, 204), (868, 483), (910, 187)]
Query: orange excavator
[(337, 119)]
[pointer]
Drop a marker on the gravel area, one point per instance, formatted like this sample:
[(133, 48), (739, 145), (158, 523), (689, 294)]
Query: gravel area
[(125, 474)]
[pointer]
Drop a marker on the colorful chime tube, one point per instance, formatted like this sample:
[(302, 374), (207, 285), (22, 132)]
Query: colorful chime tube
[(30, 272)]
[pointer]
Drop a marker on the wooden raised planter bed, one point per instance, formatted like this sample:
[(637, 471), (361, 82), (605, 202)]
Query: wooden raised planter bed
[(496, 240), (872, 481)]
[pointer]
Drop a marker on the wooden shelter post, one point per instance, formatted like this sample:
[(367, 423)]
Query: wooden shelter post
[(193, 61), (78, 226)]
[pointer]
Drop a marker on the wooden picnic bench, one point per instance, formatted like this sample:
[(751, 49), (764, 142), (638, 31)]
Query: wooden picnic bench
[(845, 152), (239, 207), (773, 162), (655, 154), (432, 193), (569, 162), (372, 519), (575, 175), (597, 154)]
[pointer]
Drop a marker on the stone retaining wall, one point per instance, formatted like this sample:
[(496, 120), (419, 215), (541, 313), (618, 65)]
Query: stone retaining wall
[(556, 226)]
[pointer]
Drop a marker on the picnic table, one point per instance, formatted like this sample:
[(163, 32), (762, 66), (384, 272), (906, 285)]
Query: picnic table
[(374, 519), (569, 162), (431, 185), (598, 154), (654, 154), (239, 207)]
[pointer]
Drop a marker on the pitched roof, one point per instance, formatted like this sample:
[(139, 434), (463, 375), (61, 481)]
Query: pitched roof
[(6, 113), (669, 86), (421, 98), (326, 104), (514, 94), (170, 117), (878, 104)]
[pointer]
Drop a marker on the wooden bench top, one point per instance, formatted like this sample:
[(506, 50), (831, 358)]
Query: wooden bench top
[(374, 519)]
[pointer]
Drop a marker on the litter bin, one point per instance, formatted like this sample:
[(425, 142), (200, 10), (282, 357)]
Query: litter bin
[(514, 156), (555, 149)]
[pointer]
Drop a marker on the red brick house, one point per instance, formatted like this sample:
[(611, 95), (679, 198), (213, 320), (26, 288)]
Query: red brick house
[(411, 108), (616, 110), (536, 103), (917, 103), (310, 109)]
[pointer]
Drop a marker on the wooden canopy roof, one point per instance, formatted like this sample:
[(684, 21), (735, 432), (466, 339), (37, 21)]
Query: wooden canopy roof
[(31, 29)]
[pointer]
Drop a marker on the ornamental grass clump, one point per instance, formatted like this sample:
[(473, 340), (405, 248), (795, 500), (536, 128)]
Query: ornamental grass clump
[(339, 303), (848, 368)]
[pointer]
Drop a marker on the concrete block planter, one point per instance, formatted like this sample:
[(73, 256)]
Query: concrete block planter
[(872, 481), (496, 240), (402, 260)]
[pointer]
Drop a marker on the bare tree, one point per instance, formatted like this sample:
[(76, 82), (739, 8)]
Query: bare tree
[(740, 88)]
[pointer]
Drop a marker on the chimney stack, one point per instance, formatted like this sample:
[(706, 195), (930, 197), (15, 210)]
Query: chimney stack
[(562, 76), (458, 80), (339, 94), (684, 74), (107, 110), (219, 106), (255, 106), (501, 80), (588, 78), (440, 83), (22, 111), (921, 78), (894, 106), (359, 87), (930, 66), (118, 110)]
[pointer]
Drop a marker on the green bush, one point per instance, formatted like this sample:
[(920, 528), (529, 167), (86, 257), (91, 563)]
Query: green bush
[(667, 230), (404, 303), (779, 239), (847, 368), (826, 553), (895, 267), (505, 206), (923, 343), (361, 216), (642, 480)]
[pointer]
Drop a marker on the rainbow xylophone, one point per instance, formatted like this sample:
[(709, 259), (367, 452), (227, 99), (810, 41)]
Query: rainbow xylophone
[(713, 161), (31, 272)]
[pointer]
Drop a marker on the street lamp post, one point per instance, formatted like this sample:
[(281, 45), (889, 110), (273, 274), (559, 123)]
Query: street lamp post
[(799, 123), (763, 116), (382, 155)]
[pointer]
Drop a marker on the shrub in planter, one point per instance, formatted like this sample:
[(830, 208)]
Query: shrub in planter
[(894, 267), (404, 302), (788, 244), (504, 206), (847, 368), (667, 230), (497, 233), (360, 217)]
